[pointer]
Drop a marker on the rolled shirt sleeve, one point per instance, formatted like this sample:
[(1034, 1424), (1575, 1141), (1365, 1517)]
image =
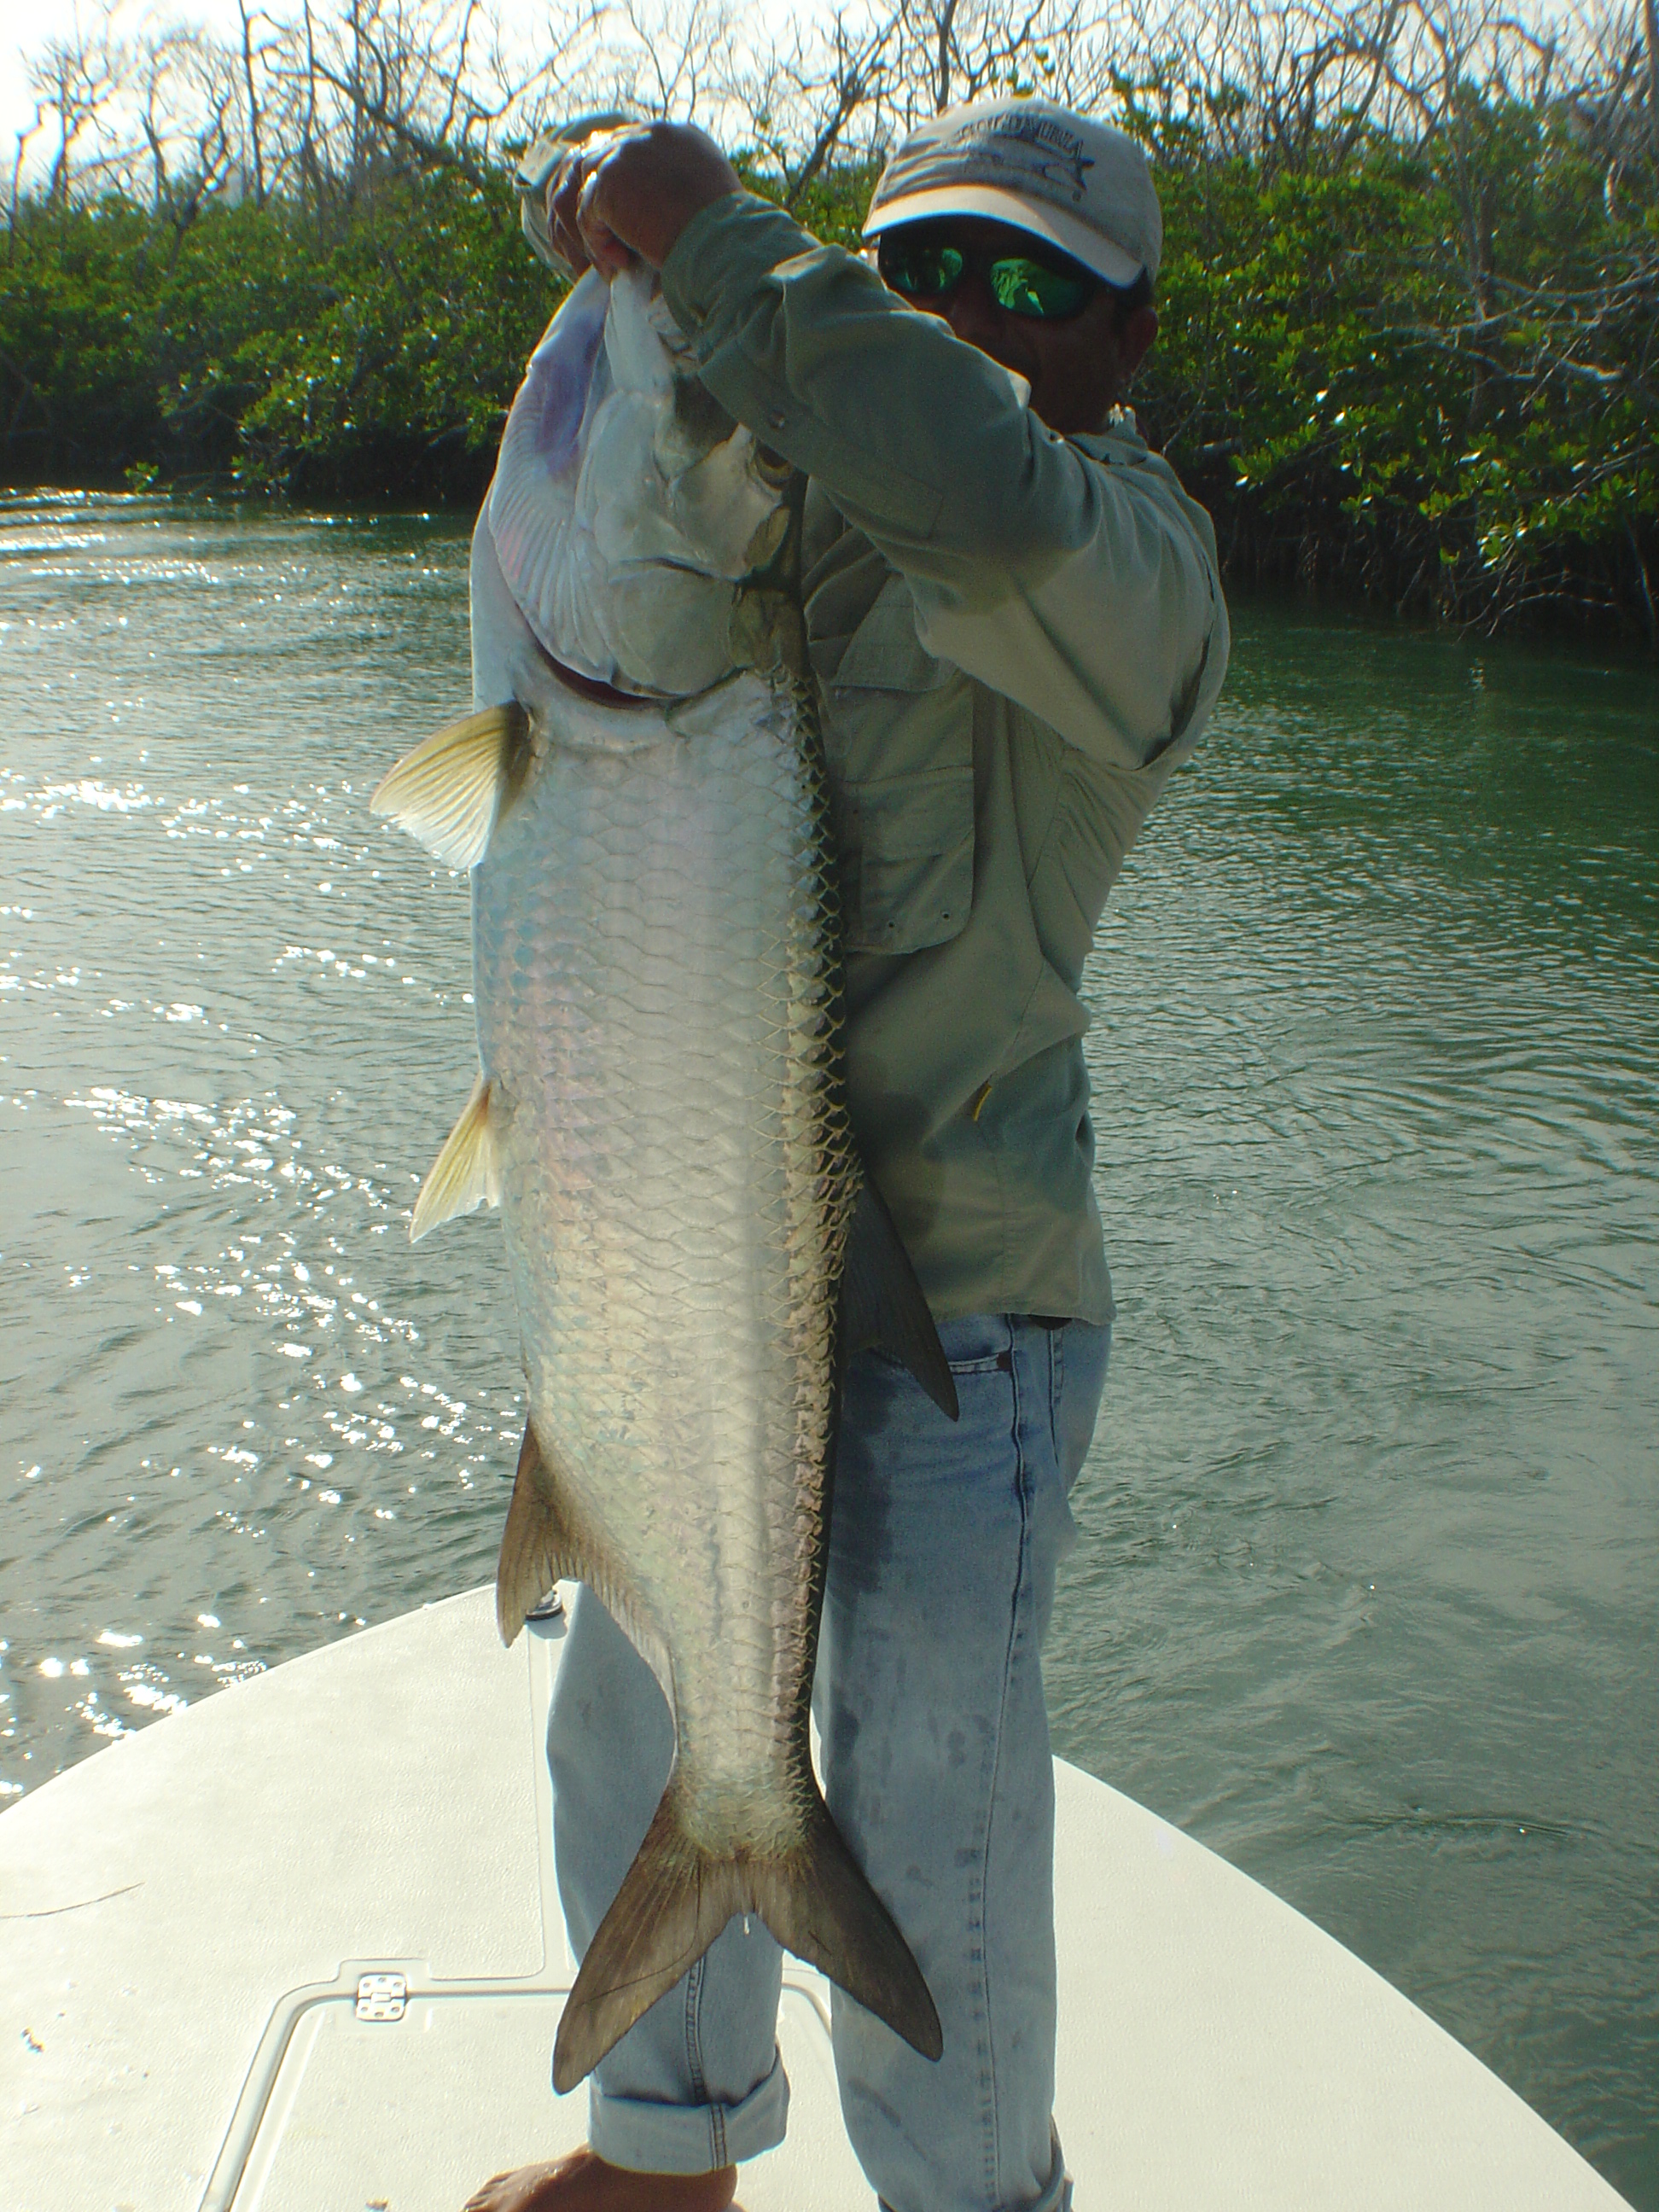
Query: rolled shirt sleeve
[(1071, 575)]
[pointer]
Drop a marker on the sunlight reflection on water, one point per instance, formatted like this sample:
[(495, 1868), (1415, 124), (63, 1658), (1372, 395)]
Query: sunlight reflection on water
[(1364, 1596)]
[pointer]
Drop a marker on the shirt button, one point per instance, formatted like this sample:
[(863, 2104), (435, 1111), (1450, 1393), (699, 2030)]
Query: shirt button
[(776, 417)]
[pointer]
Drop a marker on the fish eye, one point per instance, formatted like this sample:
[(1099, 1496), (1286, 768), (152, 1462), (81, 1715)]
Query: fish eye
[(772, 468)]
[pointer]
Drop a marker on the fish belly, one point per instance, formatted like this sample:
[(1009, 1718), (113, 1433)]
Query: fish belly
[(658, 1007)]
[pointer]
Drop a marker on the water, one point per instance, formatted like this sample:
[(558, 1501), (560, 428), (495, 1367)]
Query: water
[(1369, 1536)]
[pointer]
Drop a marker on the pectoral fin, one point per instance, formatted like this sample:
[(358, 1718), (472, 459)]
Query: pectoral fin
[(452, 790), (881, 1307), (466, 1174)]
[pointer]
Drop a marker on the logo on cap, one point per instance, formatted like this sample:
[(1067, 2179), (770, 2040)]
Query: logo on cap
[(1062, 164)]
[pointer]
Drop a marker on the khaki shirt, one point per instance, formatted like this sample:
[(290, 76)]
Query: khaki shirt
[(1017, 636)]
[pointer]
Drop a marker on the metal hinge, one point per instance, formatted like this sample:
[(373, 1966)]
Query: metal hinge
[(381, 1996)]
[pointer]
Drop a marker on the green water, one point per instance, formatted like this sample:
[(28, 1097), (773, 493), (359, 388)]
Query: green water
[(1366, 1588)]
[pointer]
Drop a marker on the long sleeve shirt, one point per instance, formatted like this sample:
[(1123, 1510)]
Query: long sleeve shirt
[(1017, 636)]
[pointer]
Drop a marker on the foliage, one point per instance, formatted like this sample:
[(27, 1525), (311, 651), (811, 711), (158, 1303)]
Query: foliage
[(369, 353), (372, 357), (1418, 364), (1458, 418)]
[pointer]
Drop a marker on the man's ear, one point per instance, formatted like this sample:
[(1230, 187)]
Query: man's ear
[(1135, 338)]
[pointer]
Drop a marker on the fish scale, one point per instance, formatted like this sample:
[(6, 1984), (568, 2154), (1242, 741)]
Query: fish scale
[(672, 1177), (660, 1115)]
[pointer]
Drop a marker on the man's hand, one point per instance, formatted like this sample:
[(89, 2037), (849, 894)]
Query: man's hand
[(629, 195)]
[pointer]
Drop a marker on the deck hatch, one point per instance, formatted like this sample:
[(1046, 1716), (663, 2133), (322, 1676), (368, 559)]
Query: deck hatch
[(414, 2122)]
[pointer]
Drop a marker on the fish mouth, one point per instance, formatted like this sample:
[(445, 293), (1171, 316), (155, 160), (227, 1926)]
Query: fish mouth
[(590, 687)]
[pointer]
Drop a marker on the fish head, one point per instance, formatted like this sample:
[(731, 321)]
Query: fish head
[(630, 508), (673, 482)]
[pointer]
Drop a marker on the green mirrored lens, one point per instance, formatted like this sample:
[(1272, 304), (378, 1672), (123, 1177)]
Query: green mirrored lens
[(1025, 286), (921, 270), (924, 268)]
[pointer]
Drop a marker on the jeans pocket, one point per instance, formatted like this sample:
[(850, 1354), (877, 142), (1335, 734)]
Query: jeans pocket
[(995, 1363), (978, 1344), (991, 1363)]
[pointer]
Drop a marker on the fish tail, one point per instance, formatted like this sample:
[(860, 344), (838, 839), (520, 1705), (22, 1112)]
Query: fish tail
[(819, 1904), (676, 1897)]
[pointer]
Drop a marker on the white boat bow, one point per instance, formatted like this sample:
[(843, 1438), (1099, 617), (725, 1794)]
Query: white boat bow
[(298, 1948)]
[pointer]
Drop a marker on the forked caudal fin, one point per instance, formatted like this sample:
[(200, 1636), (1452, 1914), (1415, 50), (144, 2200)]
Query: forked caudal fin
[(676, 1898), (450, 792)]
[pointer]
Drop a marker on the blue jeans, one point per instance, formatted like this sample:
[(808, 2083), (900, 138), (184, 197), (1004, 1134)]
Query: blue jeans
[(944, 1545)]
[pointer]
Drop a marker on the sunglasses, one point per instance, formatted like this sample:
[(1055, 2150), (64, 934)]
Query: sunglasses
[(918, 263)]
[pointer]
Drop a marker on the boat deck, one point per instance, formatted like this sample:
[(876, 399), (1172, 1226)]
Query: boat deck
[(298, 1949)]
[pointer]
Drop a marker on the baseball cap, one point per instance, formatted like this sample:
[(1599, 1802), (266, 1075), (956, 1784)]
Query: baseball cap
[(1079, 184)]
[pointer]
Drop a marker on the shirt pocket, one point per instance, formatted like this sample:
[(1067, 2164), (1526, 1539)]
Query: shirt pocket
[(899, 745)]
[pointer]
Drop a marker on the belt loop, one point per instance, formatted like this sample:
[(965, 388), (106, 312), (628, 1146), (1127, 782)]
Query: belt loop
[(1005, 1357)]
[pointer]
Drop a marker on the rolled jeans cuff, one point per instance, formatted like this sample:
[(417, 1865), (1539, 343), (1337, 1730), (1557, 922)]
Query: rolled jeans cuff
[(1056, 2196), (648, 2137)]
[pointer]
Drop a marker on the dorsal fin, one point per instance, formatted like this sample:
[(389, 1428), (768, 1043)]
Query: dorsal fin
[(465, 1174), (881, 1307), (450, 791)]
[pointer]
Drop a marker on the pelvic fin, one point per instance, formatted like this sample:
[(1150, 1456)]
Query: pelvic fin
[(466, 1173)]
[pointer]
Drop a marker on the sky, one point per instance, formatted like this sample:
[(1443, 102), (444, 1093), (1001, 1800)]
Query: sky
[(43, 21), (523, 20), (33, 23)]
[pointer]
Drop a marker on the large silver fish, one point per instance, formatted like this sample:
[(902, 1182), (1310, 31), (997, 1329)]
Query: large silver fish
[(660, 1115)]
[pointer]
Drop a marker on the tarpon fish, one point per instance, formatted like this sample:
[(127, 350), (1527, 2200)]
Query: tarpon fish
[(660, 1115)]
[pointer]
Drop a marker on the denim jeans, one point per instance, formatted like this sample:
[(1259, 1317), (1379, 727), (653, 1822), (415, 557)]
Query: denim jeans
[(945, 1539)]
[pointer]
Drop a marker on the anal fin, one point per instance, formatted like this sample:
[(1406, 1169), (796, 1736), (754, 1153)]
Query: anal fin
[(550, 1539), (466, 1173), (539, 1546)]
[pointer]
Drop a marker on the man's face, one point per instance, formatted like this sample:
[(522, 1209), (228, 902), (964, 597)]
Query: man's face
[(1077, 367)]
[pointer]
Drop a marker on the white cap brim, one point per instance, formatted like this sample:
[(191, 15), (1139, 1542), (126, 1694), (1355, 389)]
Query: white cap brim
[(1065, 231)]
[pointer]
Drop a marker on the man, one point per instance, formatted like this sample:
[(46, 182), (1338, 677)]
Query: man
[(1014, 617)]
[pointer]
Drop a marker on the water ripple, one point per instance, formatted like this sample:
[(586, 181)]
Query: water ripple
[(1364, 1596)]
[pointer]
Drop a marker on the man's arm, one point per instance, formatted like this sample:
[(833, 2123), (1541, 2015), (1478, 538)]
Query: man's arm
[(1084, 589)]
